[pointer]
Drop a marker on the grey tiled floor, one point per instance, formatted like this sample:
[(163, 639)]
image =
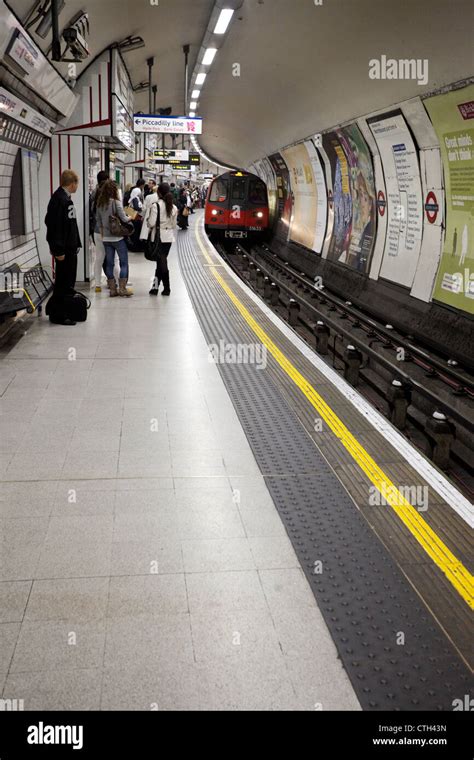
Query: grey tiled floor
[(131, 577)]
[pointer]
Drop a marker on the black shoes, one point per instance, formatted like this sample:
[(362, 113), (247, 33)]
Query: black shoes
[(166, 292), (153, 292)]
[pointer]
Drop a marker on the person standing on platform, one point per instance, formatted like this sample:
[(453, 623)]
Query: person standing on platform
[(136, 202), (109, 204), (174, 192), (64, 243), (95, 232), (147, 204), (163, 215), (183, 221)]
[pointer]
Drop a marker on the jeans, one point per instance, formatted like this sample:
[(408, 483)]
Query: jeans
[(121, 247)]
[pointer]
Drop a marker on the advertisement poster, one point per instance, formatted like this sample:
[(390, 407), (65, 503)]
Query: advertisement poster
[(405, 210), (353, 200), (266, 173), (362, 186), (285, 198), (306, 174), (321, 196), (452, 115), (341, 200)]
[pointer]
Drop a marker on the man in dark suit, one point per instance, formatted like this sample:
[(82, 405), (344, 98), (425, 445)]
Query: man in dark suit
[(64, 244)]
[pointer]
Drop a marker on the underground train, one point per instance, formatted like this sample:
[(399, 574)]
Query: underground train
[(237, 207)]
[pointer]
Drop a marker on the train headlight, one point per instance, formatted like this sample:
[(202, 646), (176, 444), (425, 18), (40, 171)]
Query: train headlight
[(214, 212), (260, 215)]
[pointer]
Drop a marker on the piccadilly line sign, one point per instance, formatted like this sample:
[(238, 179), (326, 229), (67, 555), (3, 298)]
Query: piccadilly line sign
[(170, 125)]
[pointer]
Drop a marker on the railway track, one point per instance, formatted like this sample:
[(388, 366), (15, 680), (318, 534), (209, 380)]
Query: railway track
[(421, 391)]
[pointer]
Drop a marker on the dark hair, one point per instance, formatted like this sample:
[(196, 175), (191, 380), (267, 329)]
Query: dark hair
[(101, 177), (108, 191), (164, 193), (140, 183)]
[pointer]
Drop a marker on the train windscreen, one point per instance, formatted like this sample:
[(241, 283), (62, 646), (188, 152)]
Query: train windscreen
[(257, 192), (239, 188), (219, 191)]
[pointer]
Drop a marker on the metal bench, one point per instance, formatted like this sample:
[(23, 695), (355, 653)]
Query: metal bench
[(23, 290)]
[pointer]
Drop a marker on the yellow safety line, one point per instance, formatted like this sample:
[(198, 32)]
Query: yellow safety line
[(453, 569)]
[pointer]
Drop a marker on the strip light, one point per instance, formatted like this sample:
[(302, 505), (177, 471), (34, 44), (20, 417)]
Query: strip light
[(209, 56), (195, 95), (223, 21), (201, 78)]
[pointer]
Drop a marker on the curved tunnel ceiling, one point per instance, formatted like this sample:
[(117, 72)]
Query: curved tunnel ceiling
[(304, 67)]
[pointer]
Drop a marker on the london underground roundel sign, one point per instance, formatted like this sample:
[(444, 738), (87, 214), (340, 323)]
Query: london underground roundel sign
[(431, 207)]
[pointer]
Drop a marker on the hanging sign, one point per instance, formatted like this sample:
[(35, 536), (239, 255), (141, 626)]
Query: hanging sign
[(168, 125), (172, 155)]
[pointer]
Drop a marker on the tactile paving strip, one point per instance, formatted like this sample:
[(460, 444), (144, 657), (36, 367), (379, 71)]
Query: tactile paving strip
[(366, 600)]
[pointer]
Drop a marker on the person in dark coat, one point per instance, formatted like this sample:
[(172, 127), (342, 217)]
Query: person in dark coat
[(64, 243), (183, 221)]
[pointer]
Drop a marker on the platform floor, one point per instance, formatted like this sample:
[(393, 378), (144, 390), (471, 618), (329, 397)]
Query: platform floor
[(131, 575)]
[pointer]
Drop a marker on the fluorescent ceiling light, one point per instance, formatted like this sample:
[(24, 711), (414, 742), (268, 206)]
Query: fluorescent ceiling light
[(223, 21), (193, 105), (192, 114), (209, 56), (201, 78), (195, 94)]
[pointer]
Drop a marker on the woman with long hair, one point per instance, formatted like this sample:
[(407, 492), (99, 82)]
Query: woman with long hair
[(109, 204), (161, 220)]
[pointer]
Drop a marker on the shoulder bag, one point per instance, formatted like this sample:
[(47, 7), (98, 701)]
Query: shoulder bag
[(153, 247), (117, 227)]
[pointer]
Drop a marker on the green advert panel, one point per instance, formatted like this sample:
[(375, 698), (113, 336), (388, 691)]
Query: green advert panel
[(452, 115)]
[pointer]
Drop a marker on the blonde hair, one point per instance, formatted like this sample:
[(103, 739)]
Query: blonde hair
[(68, 177)]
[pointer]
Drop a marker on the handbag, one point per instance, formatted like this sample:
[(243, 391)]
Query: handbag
[(117, 227), (185, 211), (153, 247), (131, 213)]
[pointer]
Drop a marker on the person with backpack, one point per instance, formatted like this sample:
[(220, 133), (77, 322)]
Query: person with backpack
[(64, 243), (111, 218), (161, 222)]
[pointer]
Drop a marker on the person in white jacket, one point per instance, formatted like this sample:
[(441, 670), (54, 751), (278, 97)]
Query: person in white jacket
[(161, 213)]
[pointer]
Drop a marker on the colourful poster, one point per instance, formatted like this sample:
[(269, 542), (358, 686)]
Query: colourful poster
[(285, 197), (452, 115), (341, 198), (353, 198), (265, 172), (362, 184), (308, 224)]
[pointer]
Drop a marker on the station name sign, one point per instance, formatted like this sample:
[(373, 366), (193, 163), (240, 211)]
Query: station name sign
[(167, 125)]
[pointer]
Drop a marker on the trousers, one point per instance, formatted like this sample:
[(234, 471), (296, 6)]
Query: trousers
[(162, 272)]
